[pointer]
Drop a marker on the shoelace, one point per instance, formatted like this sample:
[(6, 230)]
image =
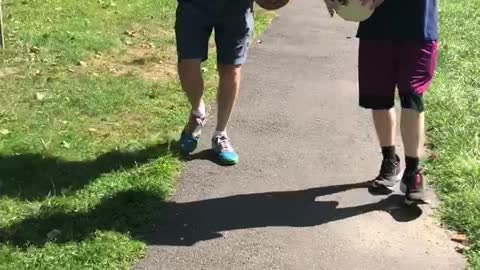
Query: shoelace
[(195, 124), (224, 142), (386, 168), (195, 120)]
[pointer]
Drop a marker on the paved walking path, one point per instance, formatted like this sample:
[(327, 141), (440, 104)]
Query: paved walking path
[(296, 200)]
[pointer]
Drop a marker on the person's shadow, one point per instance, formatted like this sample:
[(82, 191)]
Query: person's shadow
[(138, 213), (35, 177), (207, 154)]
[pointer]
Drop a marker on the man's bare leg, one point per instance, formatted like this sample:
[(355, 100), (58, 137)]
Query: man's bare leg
[(228, 90), (192, 83), (191, 80)]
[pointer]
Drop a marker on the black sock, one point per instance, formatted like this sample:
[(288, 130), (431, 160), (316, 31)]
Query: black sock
[(389, 153), (411, 164)]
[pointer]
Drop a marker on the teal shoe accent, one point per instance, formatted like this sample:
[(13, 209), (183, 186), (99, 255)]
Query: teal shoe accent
[(222, 146), (188, 143), (228, 157)]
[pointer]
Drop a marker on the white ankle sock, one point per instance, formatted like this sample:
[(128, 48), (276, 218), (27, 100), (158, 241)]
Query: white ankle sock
[(200, 111), (219, 134)]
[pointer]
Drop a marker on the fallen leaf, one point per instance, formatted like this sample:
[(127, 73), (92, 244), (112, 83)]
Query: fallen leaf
[(40, 96), (131, 33), (147, 45), (433, 156), (429, 145), (139, 61), (82, 63), (459, 238), (65, 144), (34, 49), (5, 131), (37, 72), (92, 130)]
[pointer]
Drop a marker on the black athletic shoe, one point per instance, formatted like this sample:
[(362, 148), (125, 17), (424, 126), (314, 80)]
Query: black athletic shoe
[(413, 185), (389, 176)]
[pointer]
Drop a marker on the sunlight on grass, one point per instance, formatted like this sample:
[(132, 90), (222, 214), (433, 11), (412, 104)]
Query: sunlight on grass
[(453, 116), (91, 108)]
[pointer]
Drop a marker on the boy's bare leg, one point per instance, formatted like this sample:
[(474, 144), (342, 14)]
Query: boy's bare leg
[(412, 129), (412, 126), (385, 123)]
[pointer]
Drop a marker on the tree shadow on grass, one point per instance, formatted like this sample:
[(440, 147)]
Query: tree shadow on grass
[(138, 212), (34, 176)]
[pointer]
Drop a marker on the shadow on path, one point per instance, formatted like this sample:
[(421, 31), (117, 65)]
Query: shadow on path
[(188, 223)]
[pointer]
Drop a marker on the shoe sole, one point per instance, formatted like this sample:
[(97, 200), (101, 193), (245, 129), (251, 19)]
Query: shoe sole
[(403, 187), (229, 163), (197, 134), (390, 189), (416, 199), (190, 150), (223, 162)]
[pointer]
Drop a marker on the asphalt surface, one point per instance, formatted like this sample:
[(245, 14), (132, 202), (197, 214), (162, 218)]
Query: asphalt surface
[(296, 200)]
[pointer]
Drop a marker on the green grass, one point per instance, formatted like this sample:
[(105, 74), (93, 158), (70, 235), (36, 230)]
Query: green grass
[(91, 104), (454, 121)]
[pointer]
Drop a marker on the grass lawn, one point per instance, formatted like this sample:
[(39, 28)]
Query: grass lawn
[(454, 121), (89, 104)]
